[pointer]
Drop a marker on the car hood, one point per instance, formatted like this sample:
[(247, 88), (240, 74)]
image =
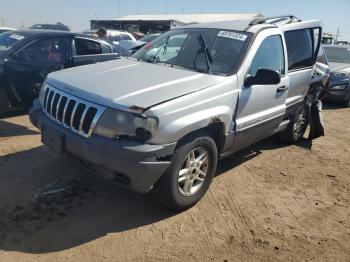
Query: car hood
[(339, 67), (129, 83)]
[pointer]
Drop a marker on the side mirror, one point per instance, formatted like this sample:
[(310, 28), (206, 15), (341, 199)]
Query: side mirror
[(263, 77)]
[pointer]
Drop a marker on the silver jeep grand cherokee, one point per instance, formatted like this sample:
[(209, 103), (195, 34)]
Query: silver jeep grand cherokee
[(160, 120)]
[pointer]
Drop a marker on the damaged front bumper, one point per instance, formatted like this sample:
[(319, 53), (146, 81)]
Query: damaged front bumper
[(131, 164)]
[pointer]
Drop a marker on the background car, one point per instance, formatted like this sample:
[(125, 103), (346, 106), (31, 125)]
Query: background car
[(121, 39), (58, 26), (6, 29), (27, 56), (339, 62), (150, 37)]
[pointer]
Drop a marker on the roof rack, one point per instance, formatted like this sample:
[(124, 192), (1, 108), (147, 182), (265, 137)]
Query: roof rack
[(274, 19)]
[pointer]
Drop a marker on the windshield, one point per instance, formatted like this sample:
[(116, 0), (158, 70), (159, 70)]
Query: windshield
[(338, 54), (149, 38), (7, 40), (212, 51)]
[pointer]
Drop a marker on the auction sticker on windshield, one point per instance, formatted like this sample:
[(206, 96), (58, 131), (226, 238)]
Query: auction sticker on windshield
[(17, 37), (232, 35)]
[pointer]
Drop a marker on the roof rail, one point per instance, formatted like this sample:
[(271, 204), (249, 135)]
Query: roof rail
[(274, 19)]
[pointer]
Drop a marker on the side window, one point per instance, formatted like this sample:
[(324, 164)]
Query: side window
[(87, 47), (51, 50), (106, 49), (270, 55), (116, 38), (300, 48), (126, 37)]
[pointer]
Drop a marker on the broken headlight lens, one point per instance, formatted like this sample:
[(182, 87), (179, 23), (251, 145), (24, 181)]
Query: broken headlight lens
[(114, 124)]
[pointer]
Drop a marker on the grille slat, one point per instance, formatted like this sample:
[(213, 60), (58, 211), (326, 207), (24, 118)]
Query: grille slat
[(73, 113), (58, 107), (54, 105)]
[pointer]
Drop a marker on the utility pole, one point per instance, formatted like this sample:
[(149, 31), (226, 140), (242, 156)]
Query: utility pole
[(166, 6), (138, 7), (336, 37)]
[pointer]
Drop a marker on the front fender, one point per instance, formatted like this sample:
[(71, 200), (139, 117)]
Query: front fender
[(184, 125), (195, 111)]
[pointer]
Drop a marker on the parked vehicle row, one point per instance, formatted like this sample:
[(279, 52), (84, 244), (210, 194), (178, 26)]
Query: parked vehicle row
[(27, 56), (160, 120)]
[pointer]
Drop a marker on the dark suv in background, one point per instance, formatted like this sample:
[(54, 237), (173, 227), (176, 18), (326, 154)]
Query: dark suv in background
[(27, 56), (339, 62)]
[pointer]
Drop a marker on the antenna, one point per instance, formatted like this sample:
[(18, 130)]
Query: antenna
[(120, 28)]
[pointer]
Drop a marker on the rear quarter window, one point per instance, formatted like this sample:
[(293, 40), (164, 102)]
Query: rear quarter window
[(87, 47), (299, 48)]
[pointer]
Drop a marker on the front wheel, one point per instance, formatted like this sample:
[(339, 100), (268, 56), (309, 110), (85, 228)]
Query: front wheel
[(190, 174), (297, 126)]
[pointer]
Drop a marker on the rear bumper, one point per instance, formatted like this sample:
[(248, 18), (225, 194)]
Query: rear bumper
[(132, 165)]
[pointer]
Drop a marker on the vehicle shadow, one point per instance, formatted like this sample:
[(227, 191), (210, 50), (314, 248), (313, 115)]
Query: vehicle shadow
[(328, 105), (8, 129), (90, 209), (255, 150), (13, 113)]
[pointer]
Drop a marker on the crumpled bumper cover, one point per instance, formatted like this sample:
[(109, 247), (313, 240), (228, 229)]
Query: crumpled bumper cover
[(142, 164)]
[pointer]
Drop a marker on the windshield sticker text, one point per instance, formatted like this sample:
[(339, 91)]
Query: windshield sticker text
[(17, 37), (232, 35)]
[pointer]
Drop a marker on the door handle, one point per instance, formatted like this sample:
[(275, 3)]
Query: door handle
[(281, 89)]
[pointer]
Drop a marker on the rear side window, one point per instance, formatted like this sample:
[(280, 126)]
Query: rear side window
[(87, 47), (270, 55), (106, 49), (300, 48)]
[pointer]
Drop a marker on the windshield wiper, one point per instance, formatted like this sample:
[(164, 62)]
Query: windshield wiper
[(204, 47), (163, 47)]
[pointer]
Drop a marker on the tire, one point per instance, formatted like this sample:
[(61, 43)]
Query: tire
[(171, 189), (347, 102), (297, 126)]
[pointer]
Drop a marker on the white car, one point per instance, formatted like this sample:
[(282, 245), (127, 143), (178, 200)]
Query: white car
[(120, 38)]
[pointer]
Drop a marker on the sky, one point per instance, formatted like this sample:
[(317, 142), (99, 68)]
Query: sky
[(77, 13)]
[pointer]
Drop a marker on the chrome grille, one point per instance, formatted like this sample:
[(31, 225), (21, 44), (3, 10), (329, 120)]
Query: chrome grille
[(74, 113)]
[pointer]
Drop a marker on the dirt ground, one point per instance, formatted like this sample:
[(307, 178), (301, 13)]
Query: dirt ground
[(271, 202)]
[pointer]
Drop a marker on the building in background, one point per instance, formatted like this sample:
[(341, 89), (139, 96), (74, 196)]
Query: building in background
[(160, 23)]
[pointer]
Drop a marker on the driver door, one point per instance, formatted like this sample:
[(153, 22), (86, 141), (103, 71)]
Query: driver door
[(261, 108), (27, 69)]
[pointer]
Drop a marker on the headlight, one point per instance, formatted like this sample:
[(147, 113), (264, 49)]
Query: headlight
[(115, 123), (42, 93), (338, 88), (339, 74)]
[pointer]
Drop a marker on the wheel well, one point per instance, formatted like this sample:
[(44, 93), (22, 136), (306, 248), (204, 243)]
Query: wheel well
[(216, 130)]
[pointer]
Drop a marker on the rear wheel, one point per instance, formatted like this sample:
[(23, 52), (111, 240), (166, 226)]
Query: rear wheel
[(298, 125), (190, 174)]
